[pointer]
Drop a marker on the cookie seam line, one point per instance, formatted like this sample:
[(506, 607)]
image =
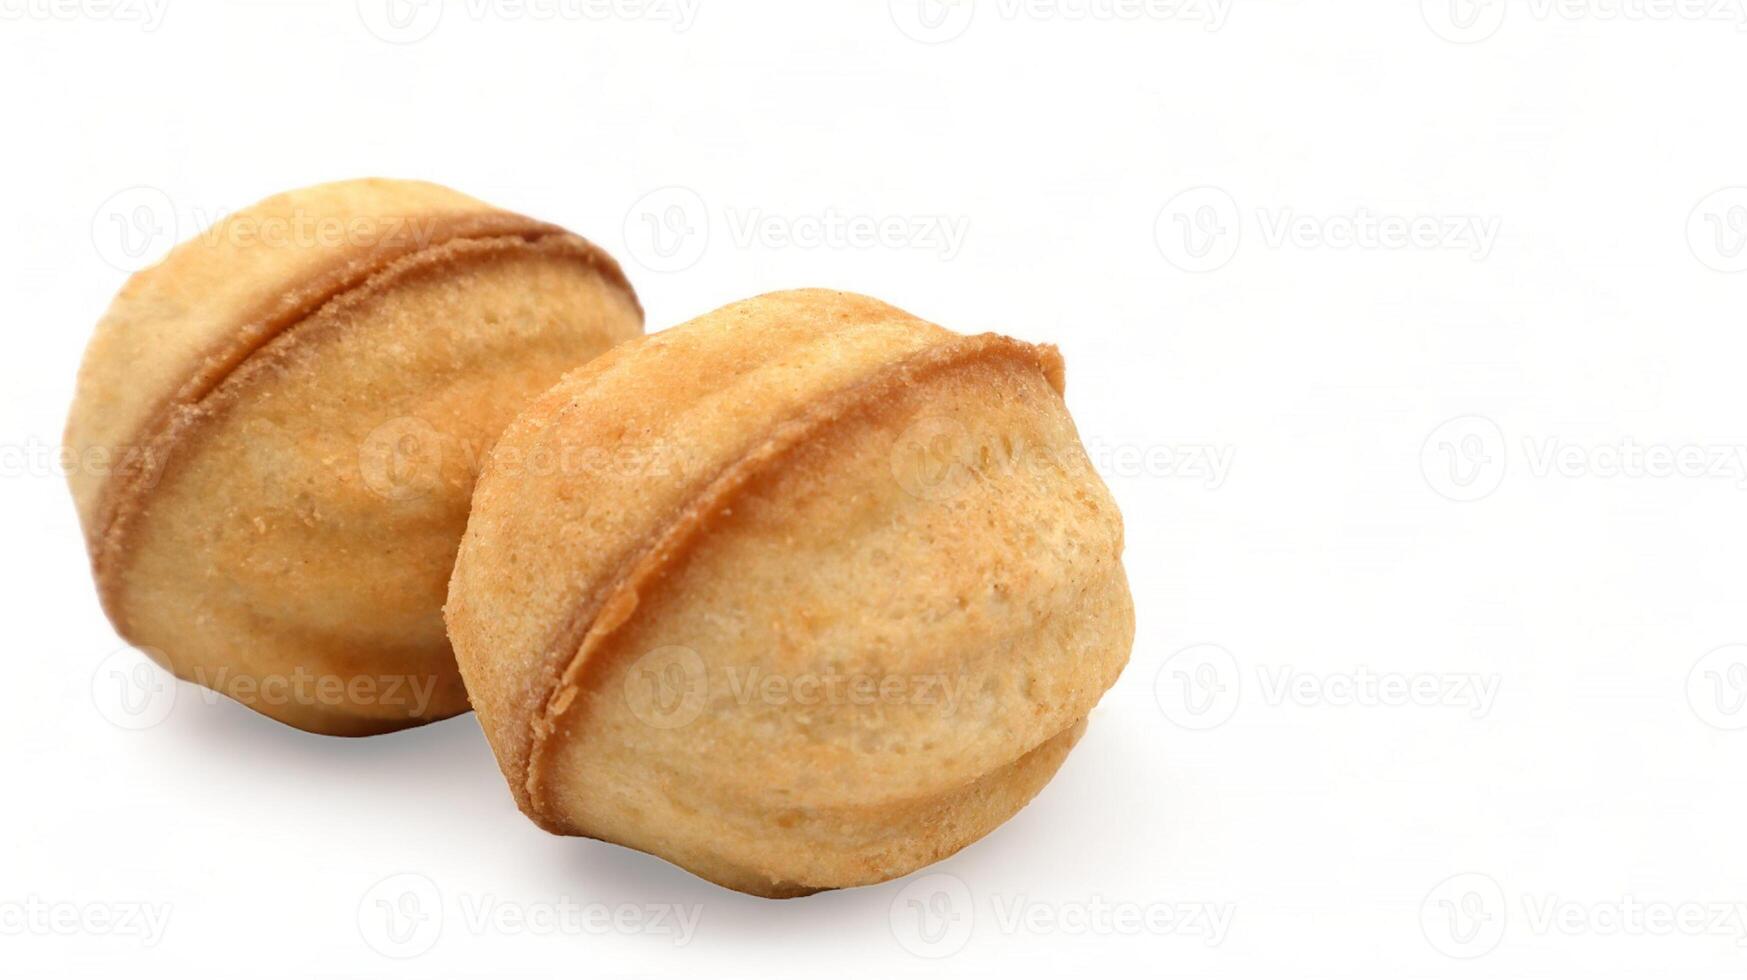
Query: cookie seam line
[(124, 493), (686, 521)]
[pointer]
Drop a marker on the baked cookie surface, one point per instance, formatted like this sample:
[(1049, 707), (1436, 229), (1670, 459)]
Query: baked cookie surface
[(276, 430), (803, 594)]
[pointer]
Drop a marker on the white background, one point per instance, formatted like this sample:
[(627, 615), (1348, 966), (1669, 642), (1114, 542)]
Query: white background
[(1377, 648)]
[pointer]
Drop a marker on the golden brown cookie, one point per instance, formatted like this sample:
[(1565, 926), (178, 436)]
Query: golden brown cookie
[(276, 432), (802, 594)]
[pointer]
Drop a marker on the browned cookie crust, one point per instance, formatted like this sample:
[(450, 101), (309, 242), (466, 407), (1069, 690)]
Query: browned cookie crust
[(833, 601), (276, 431)]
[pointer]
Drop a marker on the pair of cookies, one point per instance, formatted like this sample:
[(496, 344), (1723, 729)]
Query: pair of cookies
[(804, 593)]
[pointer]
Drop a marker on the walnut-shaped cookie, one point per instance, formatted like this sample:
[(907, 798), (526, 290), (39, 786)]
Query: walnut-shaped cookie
[(805, 593), (276, 432)]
